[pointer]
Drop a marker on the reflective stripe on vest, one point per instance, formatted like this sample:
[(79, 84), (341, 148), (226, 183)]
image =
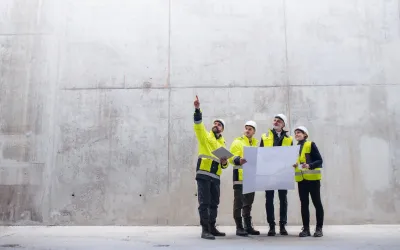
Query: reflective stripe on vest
[(237, 167), (306, 174), (268, 141), (208, 174), (238, 183), (209, 157)]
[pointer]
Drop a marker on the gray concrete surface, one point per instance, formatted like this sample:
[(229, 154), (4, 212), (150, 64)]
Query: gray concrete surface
[(96, 102), (368, 237)]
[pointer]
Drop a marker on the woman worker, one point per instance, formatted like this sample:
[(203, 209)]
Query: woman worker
[(308, 176)]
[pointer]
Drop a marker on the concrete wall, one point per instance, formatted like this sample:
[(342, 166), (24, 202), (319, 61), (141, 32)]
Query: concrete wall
[(97, 101)]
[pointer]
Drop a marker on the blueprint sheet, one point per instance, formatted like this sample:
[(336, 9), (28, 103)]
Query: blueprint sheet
[(269, 168)]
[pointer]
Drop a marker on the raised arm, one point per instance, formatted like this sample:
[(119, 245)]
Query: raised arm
[(199, 128)]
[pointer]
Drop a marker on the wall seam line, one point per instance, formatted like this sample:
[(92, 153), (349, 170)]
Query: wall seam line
[(286, 66)]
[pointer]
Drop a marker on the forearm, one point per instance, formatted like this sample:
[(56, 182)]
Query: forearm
[(315, 164), (198, 116)]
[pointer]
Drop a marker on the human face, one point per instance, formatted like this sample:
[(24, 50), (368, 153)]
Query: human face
[(217, 128), (278, 124), (249, 131), (299, 135)]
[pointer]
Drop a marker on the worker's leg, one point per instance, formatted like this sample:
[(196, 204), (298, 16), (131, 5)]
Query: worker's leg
[(215, 193), (315, 189), (283, 211), (248, 200), (303, 187), (269, 208), (204, 199), (237, 210)]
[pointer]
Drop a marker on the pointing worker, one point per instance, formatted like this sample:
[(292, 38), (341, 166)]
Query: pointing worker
[(308, 177), (208, 172), (276, 137), (242, 203)]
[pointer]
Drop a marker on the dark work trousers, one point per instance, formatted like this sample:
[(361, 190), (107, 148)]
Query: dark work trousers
[(208, 192), (269, 206), (242, 203), (311, 188)]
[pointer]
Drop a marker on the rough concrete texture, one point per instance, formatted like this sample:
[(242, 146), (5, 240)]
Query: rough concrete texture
[(368, 237), (96, 103)]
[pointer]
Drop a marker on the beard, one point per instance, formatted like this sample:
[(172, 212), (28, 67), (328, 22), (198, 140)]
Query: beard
[(277, 128), (215, 130)]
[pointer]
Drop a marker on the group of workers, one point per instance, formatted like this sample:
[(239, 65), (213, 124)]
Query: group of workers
[(209, 168)]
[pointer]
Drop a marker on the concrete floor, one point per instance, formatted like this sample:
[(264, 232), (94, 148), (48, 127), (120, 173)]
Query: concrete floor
[(380, 237)]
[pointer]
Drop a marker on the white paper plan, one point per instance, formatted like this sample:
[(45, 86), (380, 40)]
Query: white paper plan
[(269, 168)]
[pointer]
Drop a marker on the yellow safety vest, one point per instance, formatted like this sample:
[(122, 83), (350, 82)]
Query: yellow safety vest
[(268, 141), (207, 163), (306, 174), (237, 149)]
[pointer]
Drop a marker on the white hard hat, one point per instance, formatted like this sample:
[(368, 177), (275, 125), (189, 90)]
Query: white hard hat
[(221, 121), (283, 118), (251, 123), (302, 128)]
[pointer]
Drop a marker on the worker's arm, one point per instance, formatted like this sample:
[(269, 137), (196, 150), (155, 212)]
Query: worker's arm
[(315, 156), (235, 150), (199, 128)]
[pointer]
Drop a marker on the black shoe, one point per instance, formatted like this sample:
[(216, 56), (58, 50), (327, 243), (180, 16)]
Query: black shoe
[(282, 229), (305, 232), (318, 232), (249, 228), (271, 231), (239, 227), (206, 235), (214, 231)]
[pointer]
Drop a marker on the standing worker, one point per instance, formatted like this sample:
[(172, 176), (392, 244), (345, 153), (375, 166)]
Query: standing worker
[(208, 172), (242, 203), (308, 176), (276, 137)]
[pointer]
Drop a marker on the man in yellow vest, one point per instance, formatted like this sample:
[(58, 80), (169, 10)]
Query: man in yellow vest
[(274, 138), (308, 176), (242, 203), (208, 172)]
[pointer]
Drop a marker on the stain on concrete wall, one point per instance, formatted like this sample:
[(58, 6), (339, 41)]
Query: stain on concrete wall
[(96, 104)]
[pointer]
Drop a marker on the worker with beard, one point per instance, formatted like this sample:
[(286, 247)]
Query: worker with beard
[(274, 138), (208, 172), (242, 203)]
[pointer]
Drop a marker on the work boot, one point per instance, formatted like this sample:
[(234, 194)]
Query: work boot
[(214, 231), (271, 231), (205, 233), (305, 232), (249, 228), (318, 232), (282, 229), (239, 227)]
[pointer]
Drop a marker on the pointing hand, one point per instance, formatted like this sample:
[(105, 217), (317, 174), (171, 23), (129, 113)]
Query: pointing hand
[(196, 103)]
